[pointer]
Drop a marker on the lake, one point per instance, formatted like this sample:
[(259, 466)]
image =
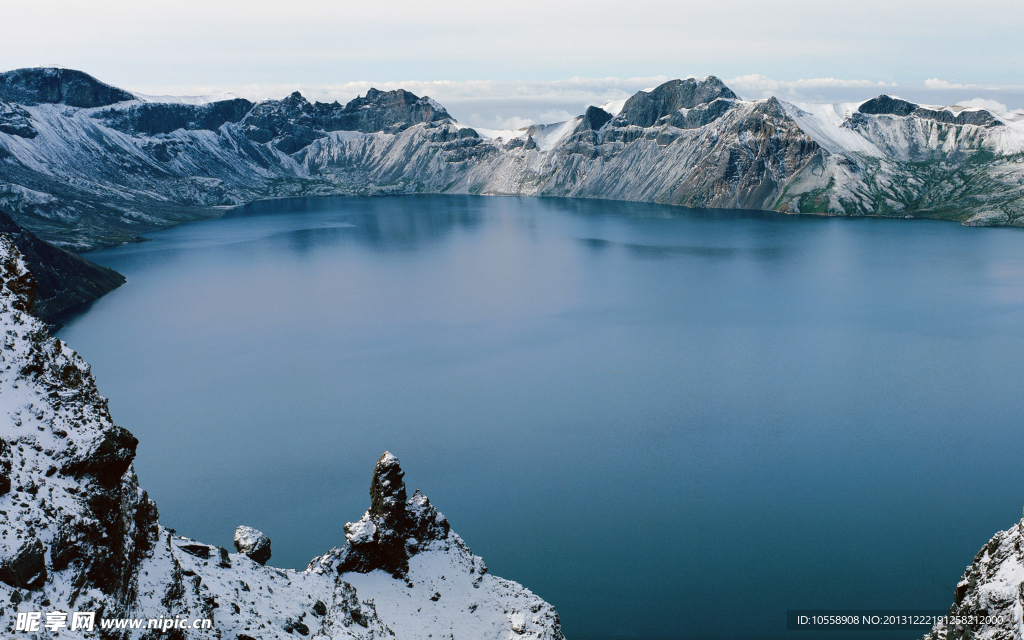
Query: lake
[(668, 423)]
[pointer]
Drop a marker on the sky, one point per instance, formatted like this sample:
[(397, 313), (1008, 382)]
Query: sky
[(497, 64)]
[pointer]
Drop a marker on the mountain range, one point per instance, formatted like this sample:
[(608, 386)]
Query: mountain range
[(84, 164)]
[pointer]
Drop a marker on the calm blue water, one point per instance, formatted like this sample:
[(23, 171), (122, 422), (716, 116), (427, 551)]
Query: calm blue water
[(666, 422)]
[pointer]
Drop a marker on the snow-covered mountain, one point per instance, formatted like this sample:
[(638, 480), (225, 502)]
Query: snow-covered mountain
[(84, 164), (78, 534)]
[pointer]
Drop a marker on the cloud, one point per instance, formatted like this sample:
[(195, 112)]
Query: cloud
[(575, 89), (983, 103), (557, 115), (758, 86), (935, 83), (498, 122)]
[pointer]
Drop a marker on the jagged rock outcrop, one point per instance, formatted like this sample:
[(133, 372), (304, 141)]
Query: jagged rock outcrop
[(989, 599), (15, 121), (647, 107), (63, 279), (78, 534), (294, 123), (394, 528), (85, 177)]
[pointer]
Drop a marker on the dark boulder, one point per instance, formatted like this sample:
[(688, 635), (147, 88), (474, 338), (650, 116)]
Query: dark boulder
[(253, 543), (5, 467), (26, 567)]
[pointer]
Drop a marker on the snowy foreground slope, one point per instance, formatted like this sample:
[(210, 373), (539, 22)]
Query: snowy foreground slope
[(77, 533), (84, 164), (991, 588)]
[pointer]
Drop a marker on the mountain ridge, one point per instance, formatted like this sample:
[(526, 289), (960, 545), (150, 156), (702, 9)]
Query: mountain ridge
[(84, 177)]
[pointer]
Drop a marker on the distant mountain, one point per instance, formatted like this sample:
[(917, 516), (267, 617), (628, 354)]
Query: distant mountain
[(79, 534), (43, 85), (84, 164)]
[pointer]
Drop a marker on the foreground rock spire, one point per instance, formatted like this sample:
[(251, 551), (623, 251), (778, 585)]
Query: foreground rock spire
[(394, 528), (77, 534)]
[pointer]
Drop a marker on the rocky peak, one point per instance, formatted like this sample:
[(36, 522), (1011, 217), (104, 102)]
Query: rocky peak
[(387, 489), (390, 111), (887, 105), (394, 528), (49, 85), (645, 108), (295, 100), (595, 118), (890, 105)]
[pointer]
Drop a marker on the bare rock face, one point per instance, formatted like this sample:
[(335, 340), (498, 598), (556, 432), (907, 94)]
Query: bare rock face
[(887, 105), (253, 543), (25, 568)]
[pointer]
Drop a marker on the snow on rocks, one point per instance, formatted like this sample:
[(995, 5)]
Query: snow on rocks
[(689, 142), (988, 603), (78, 534), (253, 543)]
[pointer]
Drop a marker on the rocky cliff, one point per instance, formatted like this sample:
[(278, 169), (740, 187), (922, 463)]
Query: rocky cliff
[(988, 603), (77, 533), (64, 280), (83, 164)]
